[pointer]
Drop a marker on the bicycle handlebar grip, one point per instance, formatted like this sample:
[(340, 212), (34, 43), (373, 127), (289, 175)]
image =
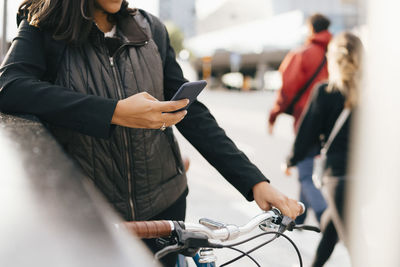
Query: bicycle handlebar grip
[(149, 229)]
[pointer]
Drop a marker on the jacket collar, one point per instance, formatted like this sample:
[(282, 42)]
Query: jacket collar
[(322, 38), (131, 30)]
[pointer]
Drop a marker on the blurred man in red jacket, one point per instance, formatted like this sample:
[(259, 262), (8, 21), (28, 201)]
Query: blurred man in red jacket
[(301, 70)]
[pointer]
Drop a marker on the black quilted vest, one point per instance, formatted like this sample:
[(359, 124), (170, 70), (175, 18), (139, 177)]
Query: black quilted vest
[(138, 170)]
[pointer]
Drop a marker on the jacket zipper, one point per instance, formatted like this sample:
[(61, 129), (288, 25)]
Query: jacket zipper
[(125, 137), (124, 130)]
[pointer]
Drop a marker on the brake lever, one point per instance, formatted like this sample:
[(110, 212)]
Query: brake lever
[(308, 228), (165, 251), (286, 224), (187, 244), (273, 223)]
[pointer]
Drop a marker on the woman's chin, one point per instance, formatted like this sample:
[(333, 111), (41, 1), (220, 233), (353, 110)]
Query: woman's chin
[(109, 6), (113, 10)]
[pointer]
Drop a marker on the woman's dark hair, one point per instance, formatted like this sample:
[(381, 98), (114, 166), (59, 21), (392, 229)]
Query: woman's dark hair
[(68, 20), (319, 22)]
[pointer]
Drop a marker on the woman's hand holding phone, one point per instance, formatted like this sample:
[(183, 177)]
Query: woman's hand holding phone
[(144, 111)]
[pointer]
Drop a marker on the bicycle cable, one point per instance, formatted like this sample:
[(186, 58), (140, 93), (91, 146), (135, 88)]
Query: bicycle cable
[(248, 239), (259, 246), (231, 246), (243, 255)]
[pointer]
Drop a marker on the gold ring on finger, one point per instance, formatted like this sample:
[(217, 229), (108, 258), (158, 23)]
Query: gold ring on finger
[(163, 127)]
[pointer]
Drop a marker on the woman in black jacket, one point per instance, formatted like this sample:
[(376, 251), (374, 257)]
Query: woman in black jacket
[(97, 73), (325, 106)]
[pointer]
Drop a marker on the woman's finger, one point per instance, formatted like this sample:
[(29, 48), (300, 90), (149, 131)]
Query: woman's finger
[(302, 208), (169, 106)]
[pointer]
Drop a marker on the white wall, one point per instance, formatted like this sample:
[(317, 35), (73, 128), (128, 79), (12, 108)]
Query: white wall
[(11, 17), (375, 199)]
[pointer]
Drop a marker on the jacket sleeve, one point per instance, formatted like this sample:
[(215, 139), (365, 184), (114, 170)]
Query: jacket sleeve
[(23, 90), (291, 70), (310, 128), (200, 128)]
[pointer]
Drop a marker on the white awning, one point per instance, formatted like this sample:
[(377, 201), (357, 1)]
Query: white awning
[(283, 31)]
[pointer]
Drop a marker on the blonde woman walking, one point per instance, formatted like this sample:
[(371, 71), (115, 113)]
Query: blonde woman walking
[(328, 102)]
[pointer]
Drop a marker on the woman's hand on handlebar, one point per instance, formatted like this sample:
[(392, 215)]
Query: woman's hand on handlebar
[(144, 111), (266, 197)]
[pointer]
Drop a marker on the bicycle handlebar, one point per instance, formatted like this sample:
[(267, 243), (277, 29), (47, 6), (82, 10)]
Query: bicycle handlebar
[(213, 230), (155, 229), (188, 238)]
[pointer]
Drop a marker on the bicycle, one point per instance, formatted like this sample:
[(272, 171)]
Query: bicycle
[(198, 240)]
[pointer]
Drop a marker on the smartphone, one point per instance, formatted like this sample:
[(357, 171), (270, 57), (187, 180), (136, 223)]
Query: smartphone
[(189, 90)]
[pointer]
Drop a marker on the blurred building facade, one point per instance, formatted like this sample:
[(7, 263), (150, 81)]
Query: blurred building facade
[(343, 13), (180, 12), (263, 31)]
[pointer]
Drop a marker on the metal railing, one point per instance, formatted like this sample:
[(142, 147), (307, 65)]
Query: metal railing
[(50, 215)]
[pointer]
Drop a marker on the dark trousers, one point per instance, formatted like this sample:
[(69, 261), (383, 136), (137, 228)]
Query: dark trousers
[(333, 226), (175, 212)]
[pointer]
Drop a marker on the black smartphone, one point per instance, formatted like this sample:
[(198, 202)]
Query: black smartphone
[(189, 90)]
